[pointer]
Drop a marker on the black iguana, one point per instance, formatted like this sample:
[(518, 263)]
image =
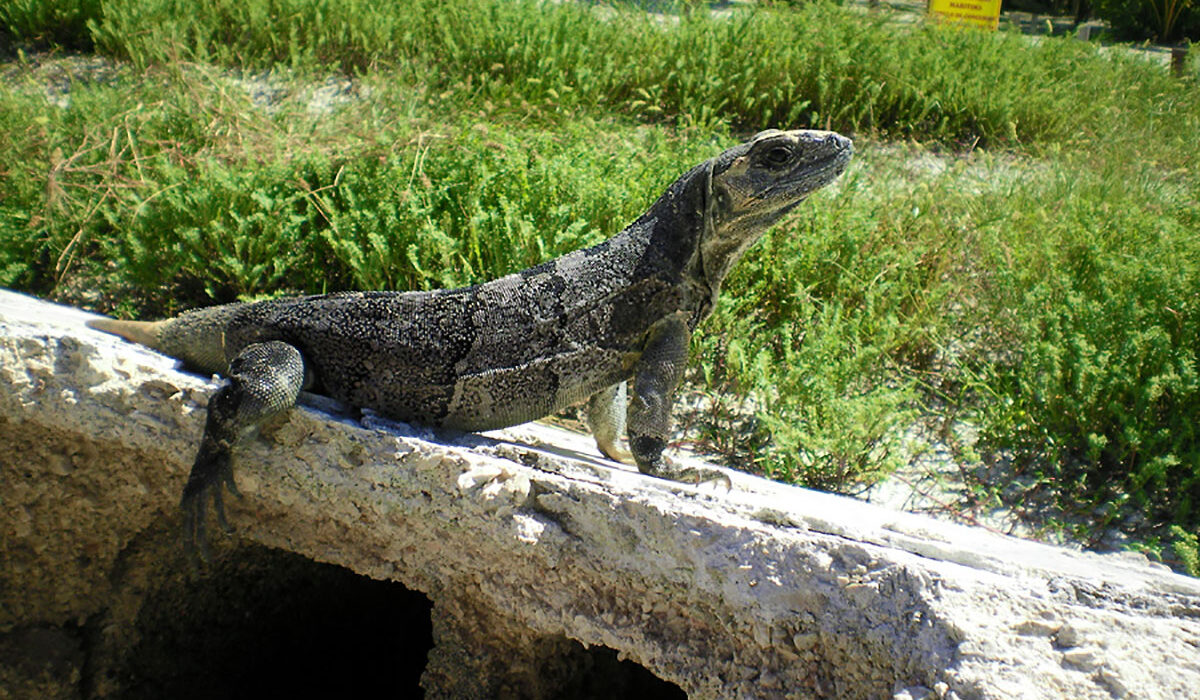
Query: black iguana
[(511, 350)]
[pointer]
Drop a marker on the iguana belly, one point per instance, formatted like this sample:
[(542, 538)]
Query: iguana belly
[(481, 401)]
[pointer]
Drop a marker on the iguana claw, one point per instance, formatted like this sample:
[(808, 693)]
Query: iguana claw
[(674, 471), (211, 475)]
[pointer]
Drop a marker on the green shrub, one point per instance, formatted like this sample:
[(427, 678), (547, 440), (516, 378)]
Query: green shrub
[(233, 233), (192, 195), (1101, 320), (60, 24), (25, 191), (1187, 549), (1164, 21), (820, 65)]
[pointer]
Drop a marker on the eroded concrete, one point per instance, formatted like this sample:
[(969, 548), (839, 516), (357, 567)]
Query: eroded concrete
[(526, 538)]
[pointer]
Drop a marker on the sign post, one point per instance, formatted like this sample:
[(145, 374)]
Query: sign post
[(984, 14)]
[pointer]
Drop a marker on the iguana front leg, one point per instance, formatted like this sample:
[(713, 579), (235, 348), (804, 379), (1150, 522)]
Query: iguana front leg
[(264, 380), (656, 376)]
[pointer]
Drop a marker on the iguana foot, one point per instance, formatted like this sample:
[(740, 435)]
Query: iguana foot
[(674, 471), (650, 460), (211, 475), (617, 454), (606, 417)]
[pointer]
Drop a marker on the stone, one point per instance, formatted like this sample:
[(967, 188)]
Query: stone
[(534, 550)]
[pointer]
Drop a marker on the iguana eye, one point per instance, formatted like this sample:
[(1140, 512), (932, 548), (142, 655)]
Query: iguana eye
[(777, 156)]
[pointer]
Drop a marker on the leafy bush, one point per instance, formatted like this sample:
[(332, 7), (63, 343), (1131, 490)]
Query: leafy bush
[(1187, 549), (1101, 318), (819, 65), (62, 23), (1164, 21), (200, 197)]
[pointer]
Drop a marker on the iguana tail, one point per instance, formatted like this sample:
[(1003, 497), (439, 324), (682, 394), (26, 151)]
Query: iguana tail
[(196, 337), (140, 332)]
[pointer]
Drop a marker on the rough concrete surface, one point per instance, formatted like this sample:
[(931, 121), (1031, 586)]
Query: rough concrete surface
[(526, 539)]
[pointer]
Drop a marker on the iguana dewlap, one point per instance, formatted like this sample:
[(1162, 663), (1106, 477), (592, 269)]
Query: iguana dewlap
[(514, 349)]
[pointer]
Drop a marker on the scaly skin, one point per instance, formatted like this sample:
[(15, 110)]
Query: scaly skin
[(514, 349)]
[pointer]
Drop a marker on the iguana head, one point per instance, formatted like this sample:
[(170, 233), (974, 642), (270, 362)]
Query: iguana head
[(753, 185)]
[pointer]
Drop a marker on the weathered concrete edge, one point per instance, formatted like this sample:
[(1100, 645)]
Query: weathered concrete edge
[(781, 575)]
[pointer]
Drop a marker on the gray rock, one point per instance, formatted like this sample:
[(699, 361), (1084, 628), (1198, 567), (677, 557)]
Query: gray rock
[(525, 539)]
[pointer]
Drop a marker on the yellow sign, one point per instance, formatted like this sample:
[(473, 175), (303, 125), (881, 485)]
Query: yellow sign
[(984, 14)]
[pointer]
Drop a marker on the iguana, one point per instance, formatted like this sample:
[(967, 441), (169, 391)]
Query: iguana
[(511, 350)]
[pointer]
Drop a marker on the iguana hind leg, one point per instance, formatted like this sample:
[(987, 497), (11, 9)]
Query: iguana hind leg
[(196, 337), (264, 380)]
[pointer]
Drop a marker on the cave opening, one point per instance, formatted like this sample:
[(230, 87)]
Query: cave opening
[(261, 622)]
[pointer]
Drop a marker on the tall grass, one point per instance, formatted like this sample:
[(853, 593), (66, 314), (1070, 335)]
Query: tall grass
[(820, 65), (41, 24)]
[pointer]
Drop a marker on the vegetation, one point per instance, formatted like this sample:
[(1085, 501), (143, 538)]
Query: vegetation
[(1014, 249), (1165, 21), (61, 24)]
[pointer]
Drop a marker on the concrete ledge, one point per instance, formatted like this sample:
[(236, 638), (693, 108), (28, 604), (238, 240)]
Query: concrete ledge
[(527, 536)]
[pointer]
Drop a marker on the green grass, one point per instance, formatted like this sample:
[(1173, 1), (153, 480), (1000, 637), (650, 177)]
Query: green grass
[(817, 65), (1044, 290)]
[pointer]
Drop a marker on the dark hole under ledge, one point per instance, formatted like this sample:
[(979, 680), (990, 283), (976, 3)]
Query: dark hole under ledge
[(262, 623)]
